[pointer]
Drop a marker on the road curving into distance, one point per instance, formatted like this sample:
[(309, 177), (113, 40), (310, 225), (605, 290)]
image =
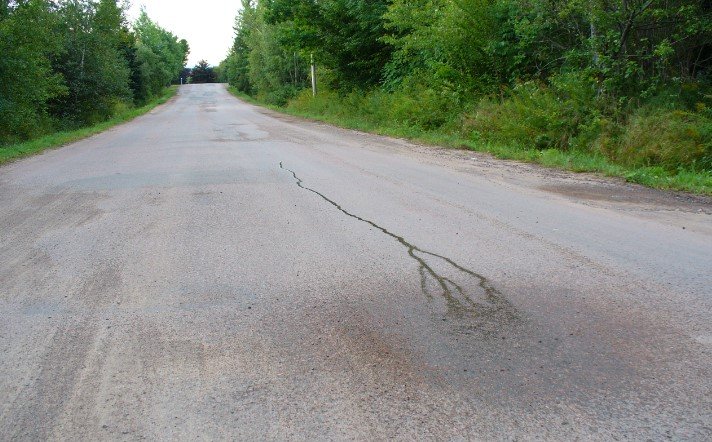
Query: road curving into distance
[(215, 270)]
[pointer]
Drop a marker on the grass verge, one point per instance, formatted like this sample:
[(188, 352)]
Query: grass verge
[(575, 160), (58, 139)]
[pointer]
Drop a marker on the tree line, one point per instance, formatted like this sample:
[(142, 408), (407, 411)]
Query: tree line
[(71, 63), (629, 79)]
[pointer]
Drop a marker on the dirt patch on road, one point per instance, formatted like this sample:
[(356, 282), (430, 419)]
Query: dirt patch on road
[(632, 194)]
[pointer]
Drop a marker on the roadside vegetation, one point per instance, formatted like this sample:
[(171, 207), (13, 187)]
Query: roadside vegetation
[(73, 68), (622, 87)]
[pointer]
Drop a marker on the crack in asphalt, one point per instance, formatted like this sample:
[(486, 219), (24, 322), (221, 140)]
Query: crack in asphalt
[(449, 289)]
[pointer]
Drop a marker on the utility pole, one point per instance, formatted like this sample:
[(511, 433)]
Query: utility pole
[(313, 75)]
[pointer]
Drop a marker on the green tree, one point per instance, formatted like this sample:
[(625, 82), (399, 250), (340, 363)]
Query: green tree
[(203, 73), (76, 62), (93, 63), (445, 44), (160, 56), (236, 67), (27, 80), (345, 36)]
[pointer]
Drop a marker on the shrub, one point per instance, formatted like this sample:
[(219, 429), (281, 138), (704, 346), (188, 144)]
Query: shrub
[(413, 107), (279, 96), (669, 139), (417, 105), (325, 103), (534, 115)]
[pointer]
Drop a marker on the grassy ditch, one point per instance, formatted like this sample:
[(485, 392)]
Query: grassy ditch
[(379, 113), (57, 139)]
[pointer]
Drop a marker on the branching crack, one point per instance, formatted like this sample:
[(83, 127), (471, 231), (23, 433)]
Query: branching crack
[(458, 300)]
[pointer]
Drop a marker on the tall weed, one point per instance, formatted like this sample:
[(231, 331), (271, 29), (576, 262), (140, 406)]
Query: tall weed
[(534, 115), (668, 139)]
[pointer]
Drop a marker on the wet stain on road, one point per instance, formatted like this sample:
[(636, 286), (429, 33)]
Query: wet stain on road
[(489, 302)]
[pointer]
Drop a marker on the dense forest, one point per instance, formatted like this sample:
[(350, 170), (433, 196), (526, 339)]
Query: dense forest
[(628, 80), (68, 64)]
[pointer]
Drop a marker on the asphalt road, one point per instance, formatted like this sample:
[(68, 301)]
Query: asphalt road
[(214, 270)]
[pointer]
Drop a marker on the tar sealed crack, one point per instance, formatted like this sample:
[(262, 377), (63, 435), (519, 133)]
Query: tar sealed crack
[(486, 302)]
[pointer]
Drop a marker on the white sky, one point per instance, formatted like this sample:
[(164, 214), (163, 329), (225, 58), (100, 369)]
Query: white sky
[(206, 24)]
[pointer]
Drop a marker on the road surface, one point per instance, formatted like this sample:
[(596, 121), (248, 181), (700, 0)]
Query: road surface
[(215, 270)]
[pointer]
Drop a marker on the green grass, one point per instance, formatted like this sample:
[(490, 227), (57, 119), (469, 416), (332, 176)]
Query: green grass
[(342, 115), (58, 139)]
